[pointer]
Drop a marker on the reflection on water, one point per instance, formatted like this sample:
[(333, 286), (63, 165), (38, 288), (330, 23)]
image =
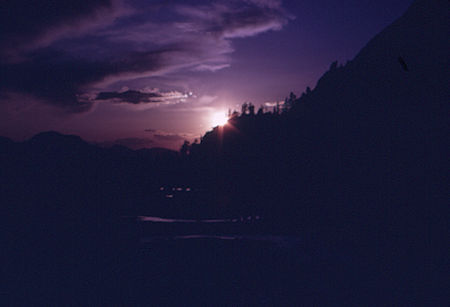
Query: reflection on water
[(221, 234), (187, 237), (155, 219)]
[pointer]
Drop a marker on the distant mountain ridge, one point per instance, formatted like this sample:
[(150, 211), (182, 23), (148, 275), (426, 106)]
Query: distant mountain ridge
[(356, 167), (55, 139)]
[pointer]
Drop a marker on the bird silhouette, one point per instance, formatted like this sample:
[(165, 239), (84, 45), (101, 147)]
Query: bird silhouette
[(403, 63)]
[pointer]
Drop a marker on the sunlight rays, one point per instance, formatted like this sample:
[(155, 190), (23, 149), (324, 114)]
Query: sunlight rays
[(218, 119)]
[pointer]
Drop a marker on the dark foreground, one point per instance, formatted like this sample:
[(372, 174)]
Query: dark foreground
[(307, 269)]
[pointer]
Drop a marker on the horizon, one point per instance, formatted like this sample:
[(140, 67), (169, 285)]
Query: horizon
[(337, 195), (142, 91)]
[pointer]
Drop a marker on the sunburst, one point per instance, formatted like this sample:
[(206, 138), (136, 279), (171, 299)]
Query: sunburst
[(218, 119)]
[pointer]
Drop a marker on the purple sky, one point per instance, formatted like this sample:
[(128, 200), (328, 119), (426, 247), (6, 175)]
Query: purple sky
[(150, 73)]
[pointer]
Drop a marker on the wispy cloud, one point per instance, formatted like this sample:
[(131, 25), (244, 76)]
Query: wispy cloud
[(74, 54), (211, 67), (28, 26)]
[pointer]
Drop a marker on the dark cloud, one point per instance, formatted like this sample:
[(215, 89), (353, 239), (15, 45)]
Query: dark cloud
[(136, 97), (130, 97), (66, 52), (63, 80), (48, 76), (26, 24), (236, 18)]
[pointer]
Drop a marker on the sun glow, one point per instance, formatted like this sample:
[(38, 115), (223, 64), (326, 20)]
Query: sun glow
[(218, 119)]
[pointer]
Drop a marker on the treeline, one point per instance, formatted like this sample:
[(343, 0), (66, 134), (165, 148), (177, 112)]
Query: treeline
[(263, 114), (337, 154), (253, 164)]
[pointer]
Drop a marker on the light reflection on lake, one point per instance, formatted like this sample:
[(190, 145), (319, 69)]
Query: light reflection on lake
[(155, 219), (277, 239)]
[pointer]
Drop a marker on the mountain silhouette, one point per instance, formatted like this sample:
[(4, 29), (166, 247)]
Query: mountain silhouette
[(374, 76), (53, 136), (357, 163), (359, 156), (356, 167)]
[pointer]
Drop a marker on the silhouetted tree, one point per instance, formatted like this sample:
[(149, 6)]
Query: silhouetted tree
[(251, 109), (276, 109), (334, 65), (289, 102), (185, 148), (234, 114), (260, 111), (244, 108)]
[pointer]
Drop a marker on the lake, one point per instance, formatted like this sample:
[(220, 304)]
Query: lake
[(233, 261), (193, 267)]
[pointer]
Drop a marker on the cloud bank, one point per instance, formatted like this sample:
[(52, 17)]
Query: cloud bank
[(73, 54)]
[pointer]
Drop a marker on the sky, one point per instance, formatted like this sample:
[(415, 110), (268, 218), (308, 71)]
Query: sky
[(144, 73)]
